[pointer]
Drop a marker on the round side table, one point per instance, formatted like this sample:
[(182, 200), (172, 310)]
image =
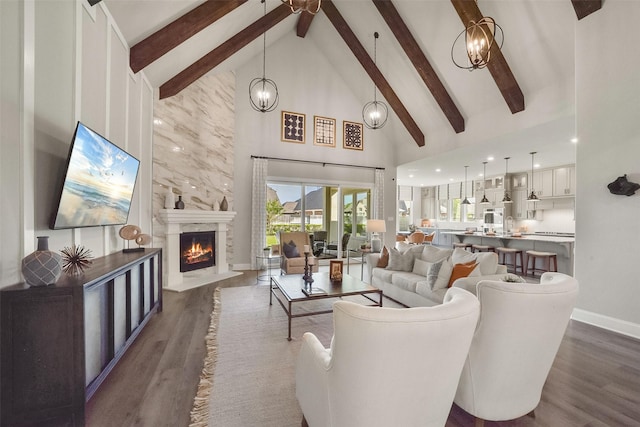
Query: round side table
[(266, 261)]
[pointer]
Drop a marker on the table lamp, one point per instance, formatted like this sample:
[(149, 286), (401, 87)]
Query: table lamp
[(375, 226)]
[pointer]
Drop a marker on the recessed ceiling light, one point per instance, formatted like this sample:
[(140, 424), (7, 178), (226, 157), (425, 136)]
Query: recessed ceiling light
[(574, 140), (451, 179), (537, 165), (438, 170), (410, 175), (490, 158)]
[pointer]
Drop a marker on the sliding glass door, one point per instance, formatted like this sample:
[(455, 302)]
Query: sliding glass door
[(335, 210)]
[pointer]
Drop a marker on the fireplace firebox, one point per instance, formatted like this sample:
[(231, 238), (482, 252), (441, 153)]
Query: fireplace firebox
[(197, 250)]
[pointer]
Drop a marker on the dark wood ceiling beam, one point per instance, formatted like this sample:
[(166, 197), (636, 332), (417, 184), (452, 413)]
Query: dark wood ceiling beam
[(372, 70), (304, 22), (180, 30), (468, 11), (222, 52), (421, 63), (585, 7)]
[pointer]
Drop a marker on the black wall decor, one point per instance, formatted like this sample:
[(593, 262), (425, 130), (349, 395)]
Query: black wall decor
[(623, 187)]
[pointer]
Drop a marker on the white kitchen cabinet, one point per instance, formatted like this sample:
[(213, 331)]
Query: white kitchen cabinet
[(564, 181), (519, 181), (445, 239), (519, 208), (543, 183)]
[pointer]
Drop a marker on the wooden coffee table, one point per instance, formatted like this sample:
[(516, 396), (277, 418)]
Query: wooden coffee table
[(290, 287)]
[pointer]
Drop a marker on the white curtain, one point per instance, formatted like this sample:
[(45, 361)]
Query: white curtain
[(378, 194), (258, 209)]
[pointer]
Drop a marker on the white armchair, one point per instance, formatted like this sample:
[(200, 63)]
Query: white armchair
[(386, 366), (519, 332)]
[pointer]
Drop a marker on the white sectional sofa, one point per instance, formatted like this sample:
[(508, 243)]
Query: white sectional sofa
[(419, 275)]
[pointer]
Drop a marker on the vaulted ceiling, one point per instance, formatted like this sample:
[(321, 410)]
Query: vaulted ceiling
[(177, 41)]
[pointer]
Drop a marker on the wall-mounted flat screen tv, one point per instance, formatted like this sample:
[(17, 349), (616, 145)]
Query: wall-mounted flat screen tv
[(98, 183)]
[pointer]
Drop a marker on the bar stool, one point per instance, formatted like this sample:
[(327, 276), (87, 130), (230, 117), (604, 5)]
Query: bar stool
[(482, 248), (462, 245), (502, 256), (532, 256)]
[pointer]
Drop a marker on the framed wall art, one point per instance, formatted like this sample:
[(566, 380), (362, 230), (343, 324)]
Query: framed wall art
[(293, 127), (352, 135), (324, 131)]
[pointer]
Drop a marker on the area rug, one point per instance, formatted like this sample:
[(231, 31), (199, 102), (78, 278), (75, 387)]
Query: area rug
[(249, 374)]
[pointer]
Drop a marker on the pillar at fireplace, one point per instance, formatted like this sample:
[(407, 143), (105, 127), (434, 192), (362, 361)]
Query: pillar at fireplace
[(178, 220)]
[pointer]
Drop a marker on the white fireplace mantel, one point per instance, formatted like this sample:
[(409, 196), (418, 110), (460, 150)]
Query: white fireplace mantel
[(195, 216), (175, 220)]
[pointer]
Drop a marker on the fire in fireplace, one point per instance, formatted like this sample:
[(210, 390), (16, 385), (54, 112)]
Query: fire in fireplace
[(197, 250)]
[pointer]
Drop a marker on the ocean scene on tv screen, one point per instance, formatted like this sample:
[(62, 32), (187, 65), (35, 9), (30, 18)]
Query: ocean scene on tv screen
[(99, 184)]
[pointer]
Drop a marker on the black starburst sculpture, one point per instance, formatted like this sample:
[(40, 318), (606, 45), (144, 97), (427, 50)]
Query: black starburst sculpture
[(75, 259)]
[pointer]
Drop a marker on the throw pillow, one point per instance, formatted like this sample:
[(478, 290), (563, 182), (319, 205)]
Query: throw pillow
[(435, 254), (399, 261), (421, 267), (403, 247), (384, 258), (461, 270), (290, 250), (460, 256), (439, 274)]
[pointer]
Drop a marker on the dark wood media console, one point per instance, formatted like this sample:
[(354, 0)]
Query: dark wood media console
[(58, 343)]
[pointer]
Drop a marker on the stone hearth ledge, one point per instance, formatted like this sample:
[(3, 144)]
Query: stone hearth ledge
[(174, 221)]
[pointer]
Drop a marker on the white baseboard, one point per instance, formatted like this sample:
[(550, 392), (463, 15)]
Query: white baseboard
[(240, 267), (605, 322)]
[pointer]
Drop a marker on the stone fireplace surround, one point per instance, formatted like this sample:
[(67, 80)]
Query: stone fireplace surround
[(175, 221)]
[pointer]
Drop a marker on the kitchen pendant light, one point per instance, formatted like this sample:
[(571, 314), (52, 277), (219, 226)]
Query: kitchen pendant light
[(484, 200), (532, 197), (465, 201), (375, 113), (263, 92), (506, 198)]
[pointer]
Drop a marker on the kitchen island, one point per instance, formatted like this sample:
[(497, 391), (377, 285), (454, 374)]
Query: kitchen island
[(561, 245)]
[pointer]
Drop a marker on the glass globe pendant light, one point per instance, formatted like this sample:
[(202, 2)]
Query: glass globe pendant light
[(375, 113), (263, 92)]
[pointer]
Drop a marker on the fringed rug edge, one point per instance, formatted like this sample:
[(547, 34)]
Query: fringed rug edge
[(199, 415)]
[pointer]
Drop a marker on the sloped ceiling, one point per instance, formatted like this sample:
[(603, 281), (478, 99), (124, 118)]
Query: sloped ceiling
[(538, 48)]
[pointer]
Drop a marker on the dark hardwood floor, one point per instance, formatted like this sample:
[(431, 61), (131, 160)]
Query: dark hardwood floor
[(595, 380)]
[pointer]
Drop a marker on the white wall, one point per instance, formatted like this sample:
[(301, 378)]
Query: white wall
[(63, 61), (313, 88), (608, 226)]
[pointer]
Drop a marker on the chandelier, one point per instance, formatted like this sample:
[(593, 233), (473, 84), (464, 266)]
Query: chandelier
[(263, 92), (479, 37), (309, 6), (375, 113)]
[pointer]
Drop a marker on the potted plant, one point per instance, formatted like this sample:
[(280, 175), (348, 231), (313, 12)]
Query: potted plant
[(267, 250)]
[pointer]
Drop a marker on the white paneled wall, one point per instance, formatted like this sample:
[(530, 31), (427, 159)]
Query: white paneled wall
[(63, 61)]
